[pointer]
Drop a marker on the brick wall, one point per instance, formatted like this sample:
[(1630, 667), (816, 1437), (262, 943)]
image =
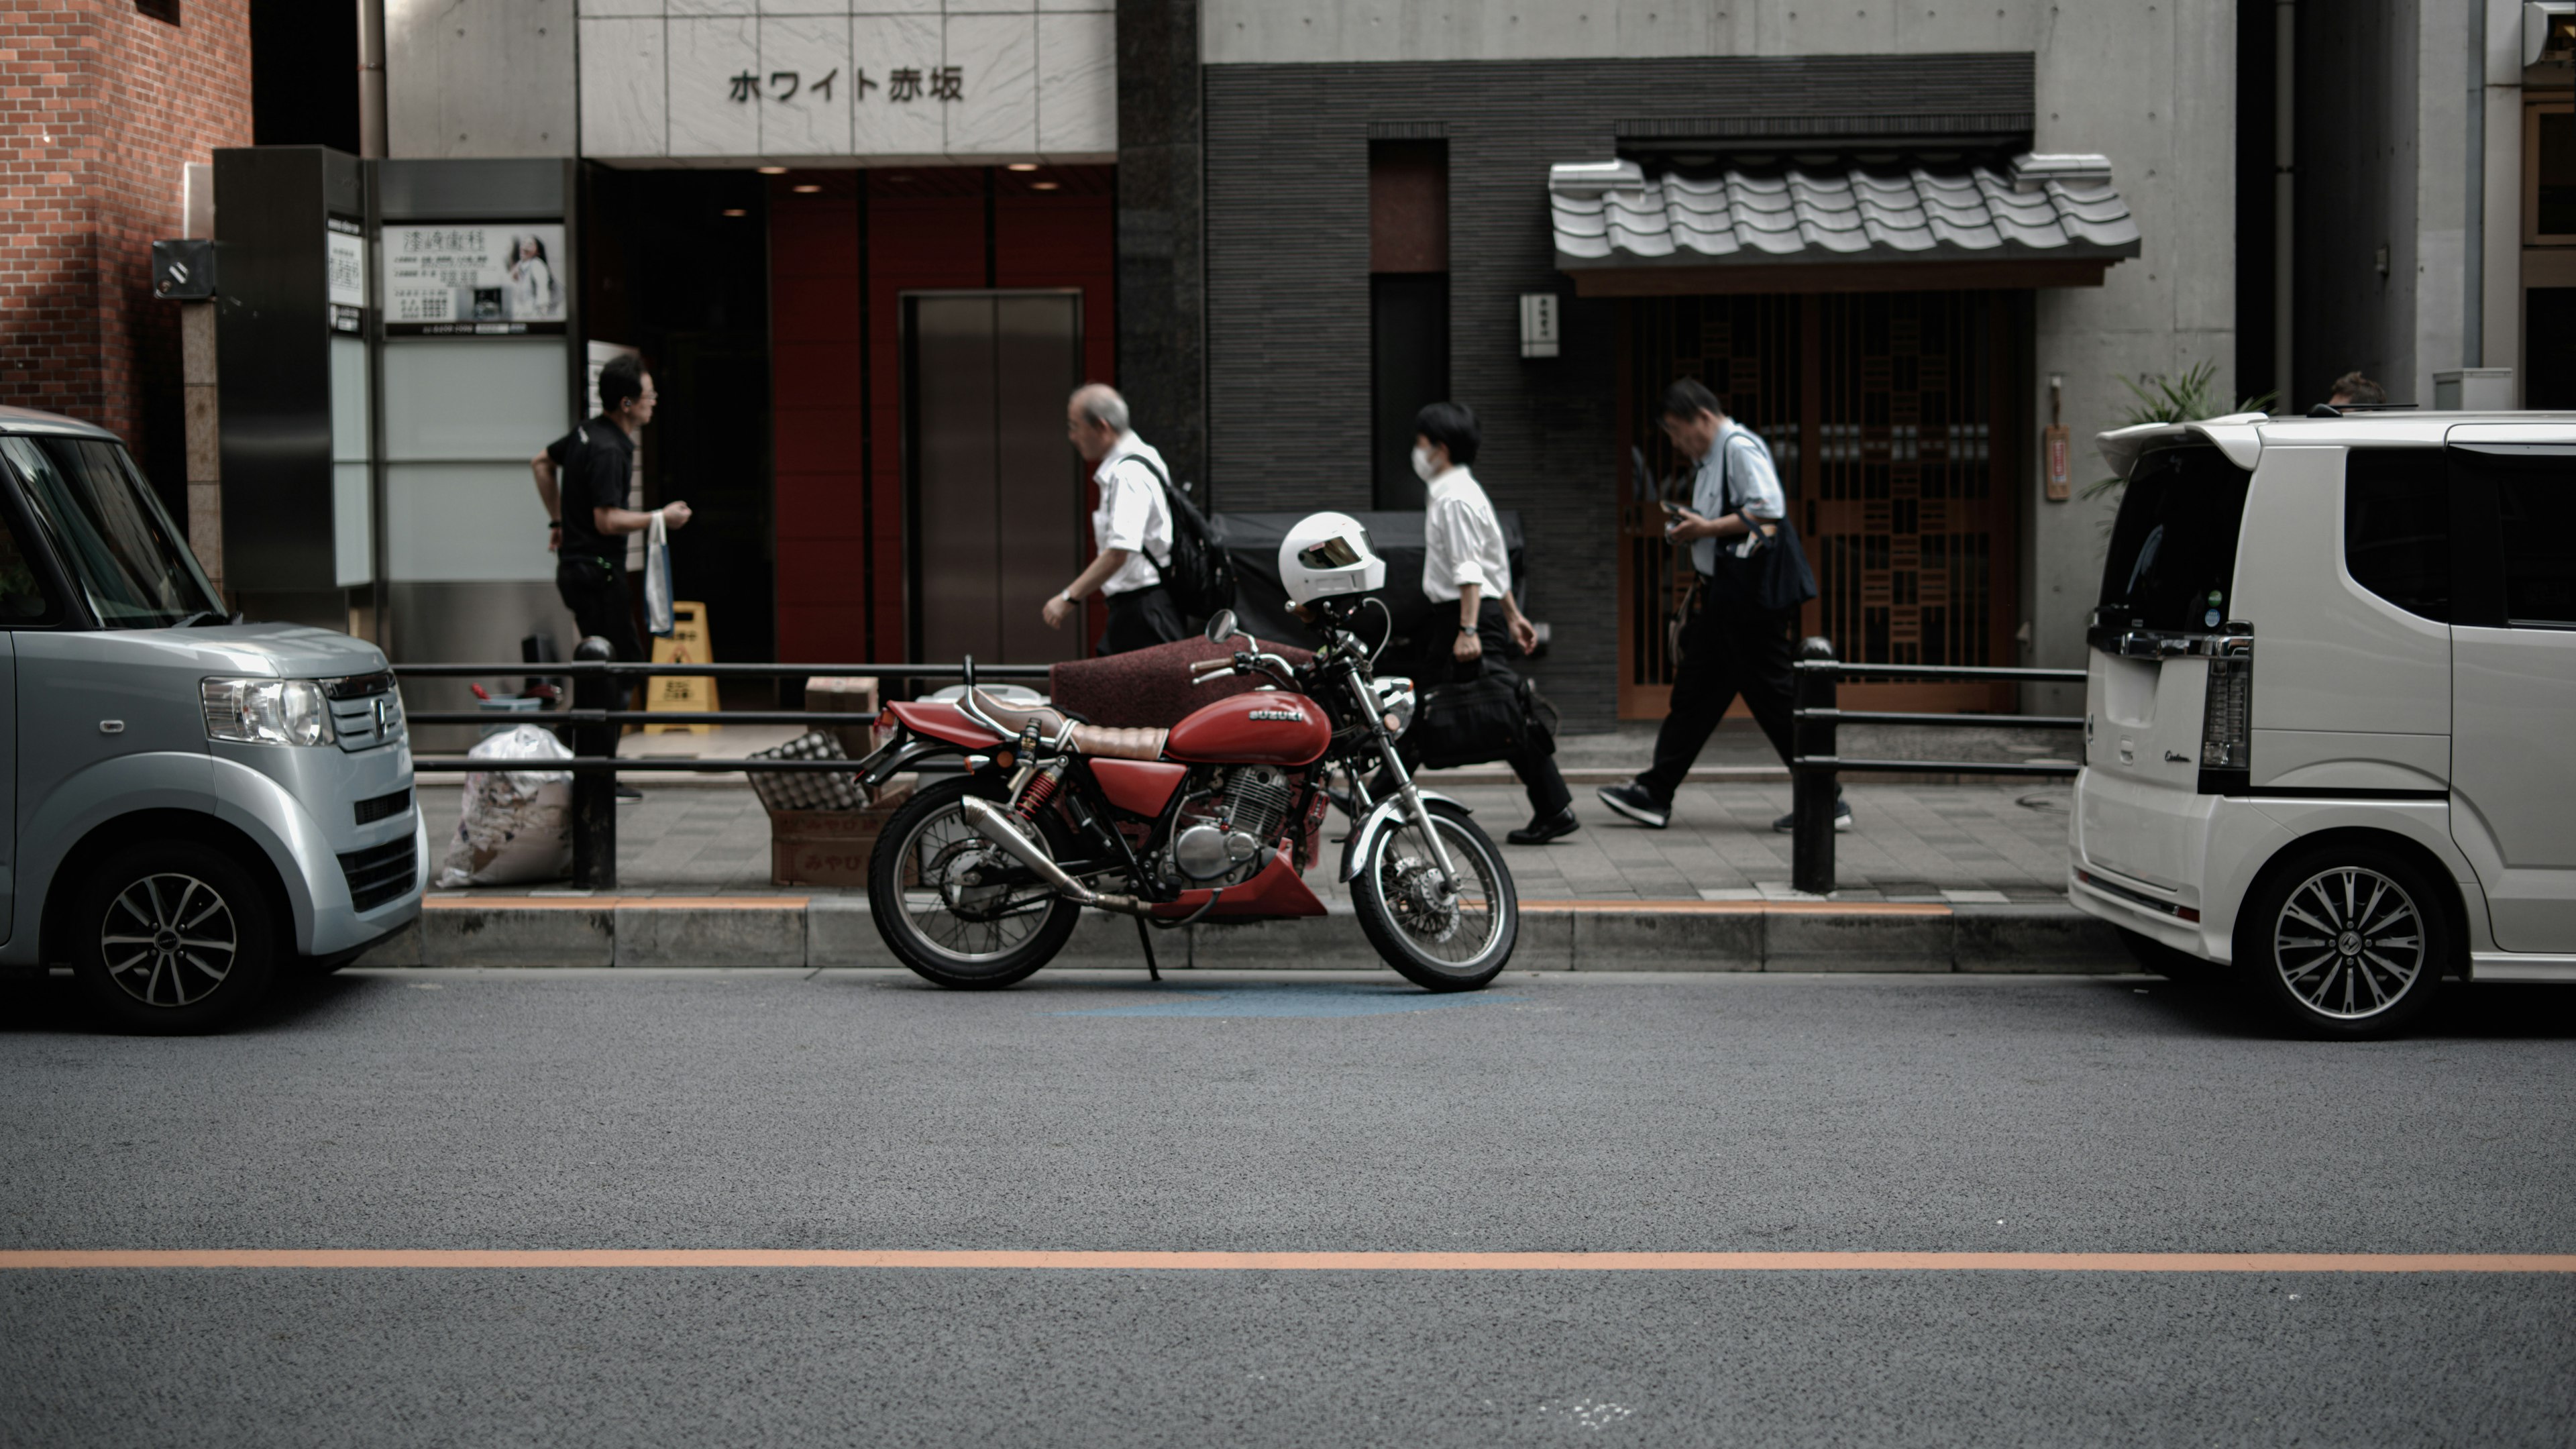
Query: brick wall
[(100, 106)]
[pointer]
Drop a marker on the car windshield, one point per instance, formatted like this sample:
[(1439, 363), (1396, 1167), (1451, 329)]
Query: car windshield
[(111, 531), (2173, 550)]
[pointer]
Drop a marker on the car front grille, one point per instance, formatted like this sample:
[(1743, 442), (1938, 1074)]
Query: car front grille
[(384, 807), (380, 873)]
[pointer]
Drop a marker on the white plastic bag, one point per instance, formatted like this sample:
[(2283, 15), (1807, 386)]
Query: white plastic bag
[(657, 578), (517, 824)]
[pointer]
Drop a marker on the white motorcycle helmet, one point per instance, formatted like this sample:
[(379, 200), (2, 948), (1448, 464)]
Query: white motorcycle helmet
[(1328, 554)]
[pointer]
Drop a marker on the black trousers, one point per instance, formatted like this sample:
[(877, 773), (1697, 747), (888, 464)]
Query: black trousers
[(1141, 619), (1436, 663), (596, 594), (1724, 654)]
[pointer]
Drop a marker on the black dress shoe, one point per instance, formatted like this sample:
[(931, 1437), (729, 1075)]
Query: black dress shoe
[(1633, 802), (1540, 832)]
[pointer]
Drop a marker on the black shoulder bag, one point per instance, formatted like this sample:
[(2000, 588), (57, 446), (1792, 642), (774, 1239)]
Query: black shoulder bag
[(1771, 576)]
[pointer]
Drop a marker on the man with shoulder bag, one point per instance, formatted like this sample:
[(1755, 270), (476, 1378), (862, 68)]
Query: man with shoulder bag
[(1736, 628)]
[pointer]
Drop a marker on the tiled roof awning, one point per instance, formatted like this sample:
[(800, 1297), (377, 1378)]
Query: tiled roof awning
[(2041, 221)]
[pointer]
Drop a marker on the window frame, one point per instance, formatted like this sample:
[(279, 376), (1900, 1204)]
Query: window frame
[(2532, 235)]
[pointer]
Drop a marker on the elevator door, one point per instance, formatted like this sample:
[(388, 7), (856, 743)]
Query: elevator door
[(998, 507)]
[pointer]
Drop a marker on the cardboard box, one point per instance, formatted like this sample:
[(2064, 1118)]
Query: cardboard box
[(830, 847), (852, 694)]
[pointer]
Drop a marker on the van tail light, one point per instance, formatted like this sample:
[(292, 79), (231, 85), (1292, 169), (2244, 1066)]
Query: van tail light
[(2227, 714)]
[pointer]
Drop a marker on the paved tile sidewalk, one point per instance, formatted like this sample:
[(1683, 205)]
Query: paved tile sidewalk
[(1908, 842)]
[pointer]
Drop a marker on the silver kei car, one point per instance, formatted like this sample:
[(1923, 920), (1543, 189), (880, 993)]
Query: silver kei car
[(193, 806)]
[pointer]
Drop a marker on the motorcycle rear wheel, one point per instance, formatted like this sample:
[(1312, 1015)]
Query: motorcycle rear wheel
[(1437, 944), (916, 885)]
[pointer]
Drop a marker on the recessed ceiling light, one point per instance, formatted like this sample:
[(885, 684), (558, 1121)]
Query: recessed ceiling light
[(1042, 186), (1021, 166), (772, 170), (735, 211), (808, 189)]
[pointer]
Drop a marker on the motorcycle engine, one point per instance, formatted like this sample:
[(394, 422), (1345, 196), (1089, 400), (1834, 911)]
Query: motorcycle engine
[(1221, 835)]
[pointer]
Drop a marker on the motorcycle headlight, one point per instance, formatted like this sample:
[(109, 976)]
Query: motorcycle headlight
[(1395, 705), (266, 711)]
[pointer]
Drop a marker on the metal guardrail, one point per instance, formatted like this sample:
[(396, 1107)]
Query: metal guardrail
[(1814, 770), (595, 723)]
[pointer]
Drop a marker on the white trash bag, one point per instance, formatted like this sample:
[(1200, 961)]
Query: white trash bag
[(517, 824)]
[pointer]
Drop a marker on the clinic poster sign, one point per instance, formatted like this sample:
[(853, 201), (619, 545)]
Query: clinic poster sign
[(474, 279)]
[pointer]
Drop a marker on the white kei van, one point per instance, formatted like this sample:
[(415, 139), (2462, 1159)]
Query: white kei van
[(2330, 718)]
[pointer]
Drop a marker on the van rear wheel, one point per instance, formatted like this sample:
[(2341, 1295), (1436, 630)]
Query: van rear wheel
[(2346, 941), (172, 936)]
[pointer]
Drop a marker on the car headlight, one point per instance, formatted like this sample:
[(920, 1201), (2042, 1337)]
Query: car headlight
[(1395, 701), (266, 711)]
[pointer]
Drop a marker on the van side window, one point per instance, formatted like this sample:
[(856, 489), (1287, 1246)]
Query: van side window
[(2397, 527), (23, 599), (2537, 512)]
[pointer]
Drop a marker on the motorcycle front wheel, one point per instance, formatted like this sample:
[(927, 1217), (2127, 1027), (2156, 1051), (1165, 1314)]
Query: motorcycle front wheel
[(1439, 941), (951, 905)]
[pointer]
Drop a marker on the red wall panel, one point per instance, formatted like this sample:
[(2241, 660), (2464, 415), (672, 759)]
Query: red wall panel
[(841, 260)]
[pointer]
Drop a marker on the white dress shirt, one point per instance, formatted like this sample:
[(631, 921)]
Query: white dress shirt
[(1132, 515), (1462, 540), (1739, 465)]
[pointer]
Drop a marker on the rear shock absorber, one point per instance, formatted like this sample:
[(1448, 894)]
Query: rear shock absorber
[(1041, 789)]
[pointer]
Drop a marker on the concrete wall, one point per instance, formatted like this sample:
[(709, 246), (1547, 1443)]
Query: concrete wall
[(2151, 85), (479, 78)]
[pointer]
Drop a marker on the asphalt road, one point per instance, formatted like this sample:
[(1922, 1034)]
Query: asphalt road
[(859, 1110)]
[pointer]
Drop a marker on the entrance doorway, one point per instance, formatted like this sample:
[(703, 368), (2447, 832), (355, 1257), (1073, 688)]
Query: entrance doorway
[(1889, 416), (996, 495)]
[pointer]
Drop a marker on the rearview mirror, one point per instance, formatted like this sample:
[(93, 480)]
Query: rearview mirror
[(1220, 626)]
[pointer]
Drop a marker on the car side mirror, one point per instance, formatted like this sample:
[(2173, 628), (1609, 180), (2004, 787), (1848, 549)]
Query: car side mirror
[(1220, 626)]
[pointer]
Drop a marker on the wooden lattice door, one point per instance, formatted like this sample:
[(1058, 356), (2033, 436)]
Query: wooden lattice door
[(1888, 416)]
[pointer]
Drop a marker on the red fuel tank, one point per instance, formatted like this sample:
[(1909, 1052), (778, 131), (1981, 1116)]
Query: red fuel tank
[(1263, 728)]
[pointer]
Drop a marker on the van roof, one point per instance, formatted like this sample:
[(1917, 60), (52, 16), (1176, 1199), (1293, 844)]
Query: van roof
[(28, 420), (2243, 435)]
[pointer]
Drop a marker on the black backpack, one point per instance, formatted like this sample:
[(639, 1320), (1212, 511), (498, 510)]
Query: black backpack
[(1198, 573)]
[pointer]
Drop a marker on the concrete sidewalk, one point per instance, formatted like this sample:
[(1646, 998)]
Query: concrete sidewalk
[(1932, 877)]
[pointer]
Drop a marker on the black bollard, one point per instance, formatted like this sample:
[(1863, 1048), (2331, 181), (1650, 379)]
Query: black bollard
[(1812, 788), (594, 792)]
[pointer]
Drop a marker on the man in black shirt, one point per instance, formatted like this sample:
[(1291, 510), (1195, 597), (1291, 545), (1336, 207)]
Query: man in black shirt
[(582, 478)]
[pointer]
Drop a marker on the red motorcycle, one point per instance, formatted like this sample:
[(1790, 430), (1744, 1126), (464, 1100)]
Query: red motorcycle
[(977, 881)]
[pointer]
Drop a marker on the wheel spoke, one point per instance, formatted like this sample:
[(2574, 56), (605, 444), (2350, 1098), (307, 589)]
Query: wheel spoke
[(2372, 951)]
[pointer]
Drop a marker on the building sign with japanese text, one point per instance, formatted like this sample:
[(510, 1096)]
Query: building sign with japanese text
[(474, 278), (344, 272), (969, 81)]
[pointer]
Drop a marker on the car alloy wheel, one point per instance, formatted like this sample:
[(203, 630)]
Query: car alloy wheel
[(169, 940), (2349, 943)]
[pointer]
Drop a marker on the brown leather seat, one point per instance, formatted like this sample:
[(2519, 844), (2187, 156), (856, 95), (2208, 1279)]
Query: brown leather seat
[(1093, 740)]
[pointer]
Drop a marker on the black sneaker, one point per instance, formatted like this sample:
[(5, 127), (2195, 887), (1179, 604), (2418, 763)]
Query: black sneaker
[(1633, 801), (1540, 832), (1788, 824), (628, 794)]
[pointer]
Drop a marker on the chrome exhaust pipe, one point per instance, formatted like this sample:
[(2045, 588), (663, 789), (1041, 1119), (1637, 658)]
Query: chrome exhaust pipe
[(1000, 828)]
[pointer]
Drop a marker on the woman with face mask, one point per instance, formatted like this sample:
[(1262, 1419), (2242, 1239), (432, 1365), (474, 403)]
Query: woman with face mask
[(1468, 578)]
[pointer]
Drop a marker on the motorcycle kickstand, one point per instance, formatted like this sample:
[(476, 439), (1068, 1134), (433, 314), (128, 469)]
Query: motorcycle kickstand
[(1145, 938)]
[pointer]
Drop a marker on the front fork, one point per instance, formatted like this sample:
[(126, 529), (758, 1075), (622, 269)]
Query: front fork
[(1414, 809)]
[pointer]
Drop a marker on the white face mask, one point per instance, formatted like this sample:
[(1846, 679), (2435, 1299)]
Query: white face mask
[(1422, 468)]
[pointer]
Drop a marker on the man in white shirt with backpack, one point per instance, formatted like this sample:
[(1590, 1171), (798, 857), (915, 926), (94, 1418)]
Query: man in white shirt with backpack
[(1132, 528)]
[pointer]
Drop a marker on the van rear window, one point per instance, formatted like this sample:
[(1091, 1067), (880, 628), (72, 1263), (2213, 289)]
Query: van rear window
[(2173, 548)]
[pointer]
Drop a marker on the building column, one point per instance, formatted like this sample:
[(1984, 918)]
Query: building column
[(1162, 290), (205, 439)]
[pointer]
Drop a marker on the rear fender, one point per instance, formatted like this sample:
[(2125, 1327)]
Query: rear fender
[(1386, 813)]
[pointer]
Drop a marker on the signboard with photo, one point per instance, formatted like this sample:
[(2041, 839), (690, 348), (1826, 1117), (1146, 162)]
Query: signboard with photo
[(481, 279)]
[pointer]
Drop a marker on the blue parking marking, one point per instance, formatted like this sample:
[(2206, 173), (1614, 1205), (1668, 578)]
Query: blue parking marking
[(1292, 998)]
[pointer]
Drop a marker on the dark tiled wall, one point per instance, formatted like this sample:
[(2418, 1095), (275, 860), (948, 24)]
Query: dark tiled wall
[(1287, 259)]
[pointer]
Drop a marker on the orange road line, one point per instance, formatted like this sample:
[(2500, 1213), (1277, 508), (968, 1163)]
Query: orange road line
[(1736, 908), (614, 903), (414, 1258)]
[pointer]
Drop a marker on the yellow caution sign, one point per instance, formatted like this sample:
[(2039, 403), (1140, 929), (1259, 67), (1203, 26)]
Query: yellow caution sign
[(688, 644)]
